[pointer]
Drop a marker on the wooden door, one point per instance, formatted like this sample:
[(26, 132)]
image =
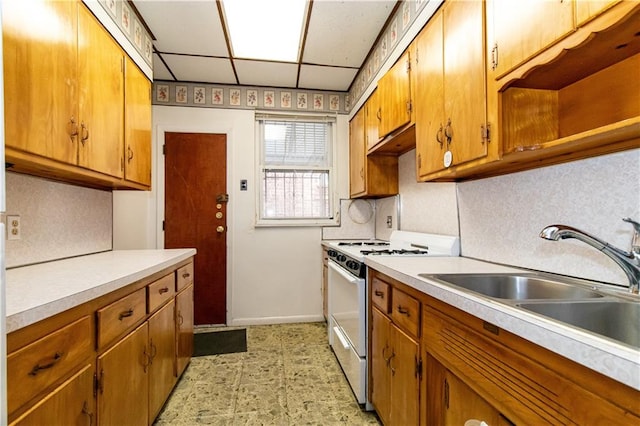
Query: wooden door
[(40, 81), (429, 102), (394, 97), (195, 179), (525, 27), (101, 96), (184, 328), (137, 137), (405, 381), (380, 352), (162, 346), (463, 404), (464, 79), (71, 404), (357, 172), (122, 372)]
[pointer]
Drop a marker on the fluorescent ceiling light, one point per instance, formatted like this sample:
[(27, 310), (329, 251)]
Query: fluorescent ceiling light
[(265, 29)]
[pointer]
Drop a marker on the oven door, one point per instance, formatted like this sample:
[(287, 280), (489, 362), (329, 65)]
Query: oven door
[(347, 306)]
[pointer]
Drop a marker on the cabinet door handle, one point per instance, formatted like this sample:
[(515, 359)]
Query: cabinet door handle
[(154, 351), (54, 360), (180, 319), (85, 133), (393, 370), (379, 293), (379, 114), (403, 311), (163, 290), (439, 135), (125, 314), (129, 154), (448, 131), (146, 359), (186, 275), (86, 412), (72, 128)]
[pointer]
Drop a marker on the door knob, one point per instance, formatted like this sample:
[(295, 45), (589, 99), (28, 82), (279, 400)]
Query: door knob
[(220, 229)]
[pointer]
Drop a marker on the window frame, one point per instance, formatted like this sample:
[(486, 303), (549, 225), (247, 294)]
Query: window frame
[(259, 169)]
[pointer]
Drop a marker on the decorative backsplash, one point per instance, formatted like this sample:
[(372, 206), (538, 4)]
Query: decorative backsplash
[(245, 97)]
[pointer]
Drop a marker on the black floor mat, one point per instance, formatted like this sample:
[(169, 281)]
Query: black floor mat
[(220, 342)]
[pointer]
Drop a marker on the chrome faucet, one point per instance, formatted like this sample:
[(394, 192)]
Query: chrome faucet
[(628, 261)]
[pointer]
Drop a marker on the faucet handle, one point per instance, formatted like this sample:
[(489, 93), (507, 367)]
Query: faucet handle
[(635, 242)]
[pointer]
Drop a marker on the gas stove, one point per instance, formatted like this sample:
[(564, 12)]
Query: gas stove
[(351, 254)]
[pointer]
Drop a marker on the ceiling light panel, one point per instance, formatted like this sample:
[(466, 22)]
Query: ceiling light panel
[(351, 25), (189, 27), (267, 30)]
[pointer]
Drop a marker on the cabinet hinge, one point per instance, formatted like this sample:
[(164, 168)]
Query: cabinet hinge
[(408, 65), (95, 385), (409, 106), (98, 383), (417, 56), (485, 133), (122, 164), (446, 394), (418, 373)]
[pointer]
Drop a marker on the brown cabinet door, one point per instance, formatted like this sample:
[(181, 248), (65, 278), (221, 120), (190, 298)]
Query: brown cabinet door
[(357, 172), (371, 120), (184, 328), (40, 81), (101, 97), (463, 404), (379, 384), (394, 97), (525, 27), (429, 102), (71, 404), (405, 379), (137, 166), (162, 347), (123, 394), (464, 80)]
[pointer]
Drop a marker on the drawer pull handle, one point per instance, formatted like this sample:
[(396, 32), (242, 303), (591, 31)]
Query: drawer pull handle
[(125, 314), (163, 290), (186, 275), (56, 358), (379, 293), (180, 319), (403, 311)]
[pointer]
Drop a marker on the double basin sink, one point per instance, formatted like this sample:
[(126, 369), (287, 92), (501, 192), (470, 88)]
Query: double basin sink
[(567, 300)]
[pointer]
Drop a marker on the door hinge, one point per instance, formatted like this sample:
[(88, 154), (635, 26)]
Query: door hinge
[(163, 225), (485, 133), (164, 149)]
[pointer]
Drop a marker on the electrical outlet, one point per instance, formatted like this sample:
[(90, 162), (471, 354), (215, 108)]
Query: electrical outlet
[(389, 221), (13, 228)]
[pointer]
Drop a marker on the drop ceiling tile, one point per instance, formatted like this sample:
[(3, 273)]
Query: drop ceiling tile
[(200, 69), (160, 71), (260, 73), (190, 27), (327, 78), (351, 25)]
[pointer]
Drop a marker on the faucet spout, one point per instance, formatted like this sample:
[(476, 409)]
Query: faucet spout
[(628, 261)]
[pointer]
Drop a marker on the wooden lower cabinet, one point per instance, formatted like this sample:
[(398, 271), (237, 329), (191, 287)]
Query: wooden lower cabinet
[(395, 369), (184, 329), (123, 381), (162, 341), (71, 404)]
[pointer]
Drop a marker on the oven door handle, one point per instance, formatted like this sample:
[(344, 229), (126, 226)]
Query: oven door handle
[(341, 337), (345, 275)]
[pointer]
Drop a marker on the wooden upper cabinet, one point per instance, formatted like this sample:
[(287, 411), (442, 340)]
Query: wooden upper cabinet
[(523, 28), (137, 165), (357, 176), (451, 101), (588, 9), (40, 82), (429, 99), (101, 84), (371, 120), (394, 97)]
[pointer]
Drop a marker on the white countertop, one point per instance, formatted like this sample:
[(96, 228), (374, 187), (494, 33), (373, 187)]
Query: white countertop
[(618, 361), (36, 292)]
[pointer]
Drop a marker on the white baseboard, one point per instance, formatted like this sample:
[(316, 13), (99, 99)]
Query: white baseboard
[(275, 320)]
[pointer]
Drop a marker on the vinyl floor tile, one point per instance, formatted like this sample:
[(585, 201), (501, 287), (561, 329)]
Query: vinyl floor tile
[(289, 376)]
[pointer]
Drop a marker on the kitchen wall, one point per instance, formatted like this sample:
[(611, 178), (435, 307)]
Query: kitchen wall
[(57, 220), (500, 218), (273, 274)]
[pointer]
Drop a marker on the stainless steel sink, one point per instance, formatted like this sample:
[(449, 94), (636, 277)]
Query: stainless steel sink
[(613, 319), (515, 286)]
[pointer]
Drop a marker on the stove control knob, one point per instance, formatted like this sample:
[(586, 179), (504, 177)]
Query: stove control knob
[(353, 264), (332, 253), (341, 258)]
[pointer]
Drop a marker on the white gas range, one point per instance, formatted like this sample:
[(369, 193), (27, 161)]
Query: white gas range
[(347, 293)]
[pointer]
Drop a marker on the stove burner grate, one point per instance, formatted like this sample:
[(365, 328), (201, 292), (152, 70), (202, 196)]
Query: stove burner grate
[(392, 252)]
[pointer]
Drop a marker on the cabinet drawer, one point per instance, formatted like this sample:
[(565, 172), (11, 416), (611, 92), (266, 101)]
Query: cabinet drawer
[(115, 319), (184, 276), (161, 291), (380, 295), (45, 362), (405, 312)]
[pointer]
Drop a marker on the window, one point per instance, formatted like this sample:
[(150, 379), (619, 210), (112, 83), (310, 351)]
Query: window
[(295, 170)]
